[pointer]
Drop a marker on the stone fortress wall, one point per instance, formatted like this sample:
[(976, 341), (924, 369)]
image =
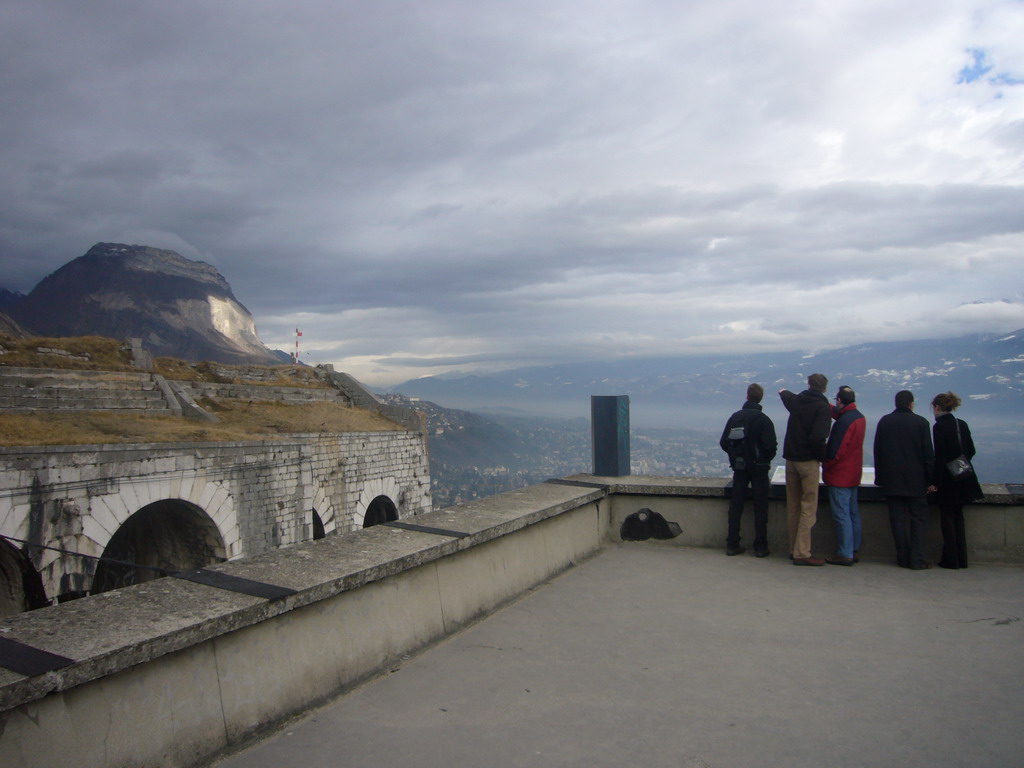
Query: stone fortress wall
[(186, 505)]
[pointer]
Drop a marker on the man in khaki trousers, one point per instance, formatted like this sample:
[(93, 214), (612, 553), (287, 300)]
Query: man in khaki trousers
[(810, 419)]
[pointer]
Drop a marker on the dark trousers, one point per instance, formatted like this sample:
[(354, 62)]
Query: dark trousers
[(954, 536), (757, 479), (908, 518)]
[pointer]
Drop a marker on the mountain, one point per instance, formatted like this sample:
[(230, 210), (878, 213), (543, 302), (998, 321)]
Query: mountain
[(9, 298), (178, 307), (678, 406), (11, 328), (987, 371)]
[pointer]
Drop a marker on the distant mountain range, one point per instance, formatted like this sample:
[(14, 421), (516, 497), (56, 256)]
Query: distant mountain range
[(535, 421), (178, 307), (987, 371)]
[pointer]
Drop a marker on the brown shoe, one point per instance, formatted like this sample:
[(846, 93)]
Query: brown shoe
[(812, 560), (839, 560)]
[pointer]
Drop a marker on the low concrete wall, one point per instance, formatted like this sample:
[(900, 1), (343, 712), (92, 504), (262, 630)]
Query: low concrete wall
[(172, 673), (995, 525)]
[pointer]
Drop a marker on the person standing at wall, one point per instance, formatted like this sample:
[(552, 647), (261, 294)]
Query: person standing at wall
[(749, 440), (841, 473), (904, 461), (810, 418), (952, 440)]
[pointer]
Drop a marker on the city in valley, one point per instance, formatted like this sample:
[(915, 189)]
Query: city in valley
[(474, 456)]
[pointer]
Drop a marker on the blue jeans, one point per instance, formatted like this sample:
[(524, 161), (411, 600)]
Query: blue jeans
[(846, 513)]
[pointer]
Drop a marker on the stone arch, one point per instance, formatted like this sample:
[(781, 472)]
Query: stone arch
[(21, 587), (381, 510), (166, 535), (318, 530), (110, 511), (371, 491), (324, 509)]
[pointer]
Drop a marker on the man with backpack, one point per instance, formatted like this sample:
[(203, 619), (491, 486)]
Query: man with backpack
[(749, 440)]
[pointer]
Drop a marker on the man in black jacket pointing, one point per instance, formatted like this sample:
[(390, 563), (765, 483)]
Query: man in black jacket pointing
[(810, 419)]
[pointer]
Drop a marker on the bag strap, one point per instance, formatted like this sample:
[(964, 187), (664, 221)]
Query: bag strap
[(959, 442)]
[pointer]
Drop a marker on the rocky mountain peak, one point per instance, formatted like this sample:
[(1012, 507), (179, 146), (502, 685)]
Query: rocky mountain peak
[(143, 258), (178, 307)]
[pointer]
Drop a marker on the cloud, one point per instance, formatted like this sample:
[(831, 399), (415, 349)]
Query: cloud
[(985, 314), (422, 186)]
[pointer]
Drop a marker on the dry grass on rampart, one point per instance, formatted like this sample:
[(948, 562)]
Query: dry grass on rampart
[(299, 376), (84, 353), (98, 353), (238, 421)]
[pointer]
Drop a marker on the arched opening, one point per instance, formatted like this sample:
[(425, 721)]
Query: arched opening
[(318, 527), (21, 586), (170, 535), (381, 510)]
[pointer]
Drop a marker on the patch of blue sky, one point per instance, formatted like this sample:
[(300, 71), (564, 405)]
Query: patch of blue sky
[(978, 68), (1005, 78)]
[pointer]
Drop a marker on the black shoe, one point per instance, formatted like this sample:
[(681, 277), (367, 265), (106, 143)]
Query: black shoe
[(761, 553), (730, 551), (837, 560)]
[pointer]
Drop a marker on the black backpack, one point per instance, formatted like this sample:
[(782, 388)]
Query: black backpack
[(739, 443)]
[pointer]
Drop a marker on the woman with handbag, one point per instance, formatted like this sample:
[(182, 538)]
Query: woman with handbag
[(954, 477)]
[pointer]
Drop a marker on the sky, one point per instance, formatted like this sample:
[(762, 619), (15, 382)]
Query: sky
[(467, 185)]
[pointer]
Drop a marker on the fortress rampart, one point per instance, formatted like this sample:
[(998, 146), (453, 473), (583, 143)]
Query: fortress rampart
[(172, 506)]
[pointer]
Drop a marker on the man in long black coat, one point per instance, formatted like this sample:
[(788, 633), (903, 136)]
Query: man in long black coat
[(904, 460)]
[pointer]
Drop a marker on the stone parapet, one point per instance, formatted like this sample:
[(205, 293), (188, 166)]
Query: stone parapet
[(995, 524)]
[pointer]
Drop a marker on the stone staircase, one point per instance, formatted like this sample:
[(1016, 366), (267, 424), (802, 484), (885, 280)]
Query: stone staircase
[(26, 390)]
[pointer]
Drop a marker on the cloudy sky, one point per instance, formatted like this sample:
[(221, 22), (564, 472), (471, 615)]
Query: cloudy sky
[(424, 187)]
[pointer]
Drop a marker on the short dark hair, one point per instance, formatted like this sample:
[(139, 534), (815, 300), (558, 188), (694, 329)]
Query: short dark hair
[(817, 382), (755, 393), (846, 395), (947, 401), (904, 398)]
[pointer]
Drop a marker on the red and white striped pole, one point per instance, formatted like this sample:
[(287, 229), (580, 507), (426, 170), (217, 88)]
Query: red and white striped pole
[(298, 333)]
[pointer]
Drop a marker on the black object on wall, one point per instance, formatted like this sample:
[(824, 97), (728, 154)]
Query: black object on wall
[(609, 419)]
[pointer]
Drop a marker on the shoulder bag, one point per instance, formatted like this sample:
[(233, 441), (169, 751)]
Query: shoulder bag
[(959, 468)]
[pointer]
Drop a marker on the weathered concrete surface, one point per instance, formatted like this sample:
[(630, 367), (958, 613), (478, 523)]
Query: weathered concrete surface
[(172, 672), (670, 657), (362, 601)]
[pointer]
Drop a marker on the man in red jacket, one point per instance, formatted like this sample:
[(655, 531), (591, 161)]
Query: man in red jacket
[(841, 472)]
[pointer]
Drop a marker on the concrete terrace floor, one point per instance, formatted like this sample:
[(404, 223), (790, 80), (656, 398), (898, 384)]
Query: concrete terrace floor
[(655, 655)]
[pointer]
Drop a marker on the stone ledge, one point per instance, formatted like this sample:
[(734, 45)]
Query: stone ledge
[(167, 615), (701, 487)]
